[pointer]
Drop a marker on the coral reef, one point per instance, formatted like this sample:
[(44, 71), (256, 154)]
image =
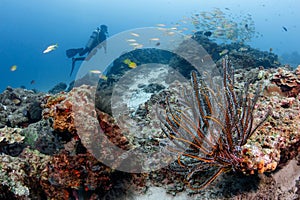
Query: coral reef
[(35, 163), (59, 108), (14, 105), (60, 87), (44, 156), (268, 150), (21, 174), (34, 112), (112, 131), (42, 137), (10, 135), (67, 175), (15, 181), (207, 128), (242, 56), (272, 144), (11, 141), (278, 140)]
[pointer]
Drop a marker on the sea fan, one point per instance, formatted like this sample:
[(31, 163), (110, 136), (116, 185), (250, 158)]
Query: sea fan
[(209, 126)]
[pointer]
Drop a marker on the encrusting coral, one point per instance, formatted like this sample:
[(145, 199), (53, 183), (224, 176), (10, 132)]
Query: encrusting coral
[(22, 174), (275, 142), (15, 106), (70, 172), (10, 135), (11, 141), (60, 108), (42, 137), (66, 175), (285, 82), (16, 180), (280, 134)]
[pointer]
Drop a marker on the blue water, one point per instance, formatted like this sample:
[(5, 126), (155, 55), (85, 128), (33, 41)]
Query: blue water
[(28, 26)]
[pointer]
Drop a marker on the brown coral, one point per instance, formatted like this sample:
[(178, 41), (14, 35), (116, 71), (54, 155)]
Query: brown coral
[(59, 108), (66, 174), (112, 130), (288, 82)]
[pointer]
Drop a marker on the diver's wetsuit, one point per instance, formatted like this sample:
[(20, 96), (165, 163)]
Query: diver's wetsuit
[(96, 38)]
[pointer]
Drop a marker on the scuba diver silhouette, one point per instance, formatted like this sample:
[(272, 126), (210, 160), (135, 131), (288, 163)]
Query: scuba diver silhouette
[(98, 36)]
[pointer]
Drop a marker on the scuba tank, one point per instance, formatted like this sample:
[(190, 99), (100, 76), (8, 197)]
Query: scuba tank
[(93, 39)]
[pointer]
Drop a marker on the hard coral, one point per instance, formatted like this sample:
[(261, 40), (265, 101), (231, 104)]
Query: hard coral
[(80, 102), (59, 107), (40, 136), (112, 130), (276, 141), (11, 135), (66, 174), (11, 141), (16, 180), (288, 82), (22, 174), (14, 105)]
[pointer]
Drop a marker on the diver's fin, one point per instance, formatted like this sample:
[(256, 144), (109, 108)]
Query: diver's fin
[(74, 61), (73, 65), (72, 52)]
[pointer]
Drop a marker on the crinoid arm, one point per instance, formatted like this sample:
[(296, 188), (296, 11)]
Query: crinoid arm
[(209, 125), (201, 178)]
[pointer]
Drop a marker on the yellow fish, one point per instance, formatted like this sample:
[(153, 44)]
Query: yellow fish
[(126, 61), (130, 63), (13, 68), (50, 48), (103, 77)]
